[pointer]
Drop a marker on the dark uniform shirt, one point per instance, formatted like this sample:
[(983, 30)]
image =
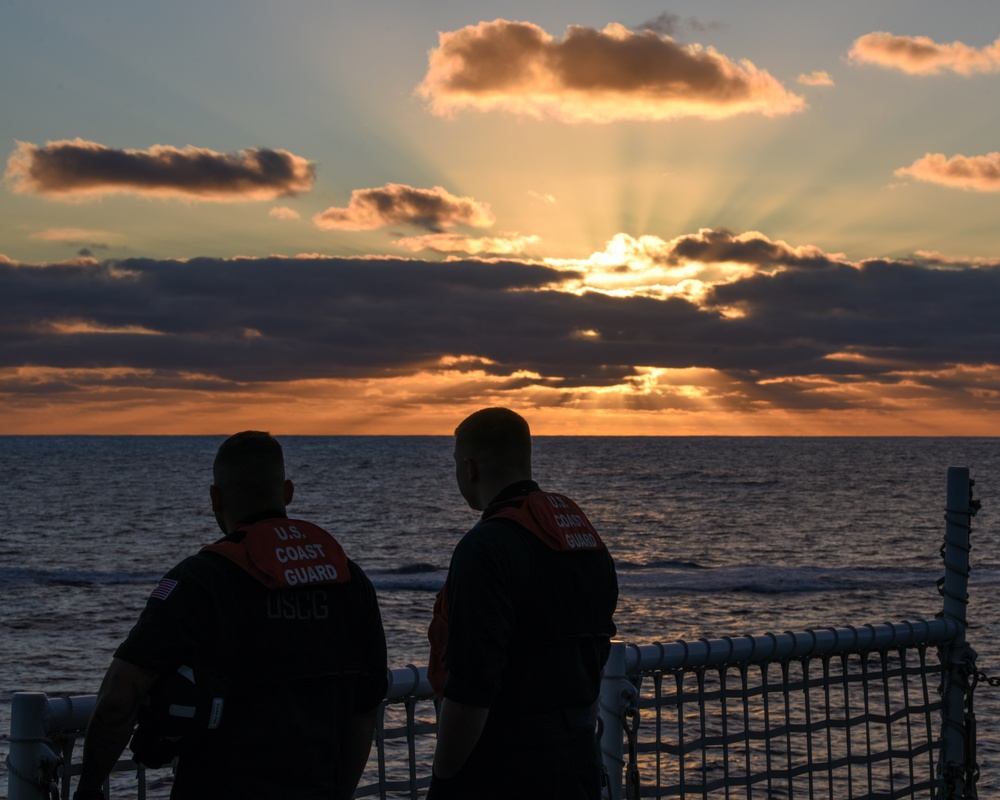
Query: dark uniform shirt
[(529, 631), (298, 662)]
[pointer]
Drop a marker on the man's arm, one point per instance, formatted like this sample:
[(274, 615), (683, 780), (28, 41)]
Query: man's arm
[(459, 729), (358, 745), (123, 688)]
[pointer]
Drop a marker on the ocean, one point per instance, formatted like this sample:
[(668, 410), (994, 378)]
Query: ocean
[(712, 536)]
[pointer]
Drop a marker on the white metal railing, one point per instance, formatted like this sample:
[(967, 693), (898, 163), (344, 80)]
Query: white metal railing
[(870, 724), (880, 719), (838, 713), (44, 732)]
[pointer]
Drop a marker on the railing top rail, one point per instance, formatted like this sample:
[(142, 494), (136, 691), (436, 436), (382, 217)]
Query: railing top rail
[(773, 647), (59, 713), (409, 681)]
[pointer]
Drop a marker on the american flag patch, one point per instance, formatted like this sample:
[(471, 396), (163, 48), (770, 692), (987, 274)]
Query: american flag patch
[(162, 592)]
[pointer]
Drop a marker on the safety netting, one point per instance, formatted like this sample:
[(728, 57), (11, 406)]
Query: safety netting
[(852, 724)]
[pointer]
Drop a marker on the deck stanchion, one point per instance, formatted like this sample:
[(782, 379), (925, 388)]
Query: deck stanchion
[(27, 739), (955, 589), (612, 704)]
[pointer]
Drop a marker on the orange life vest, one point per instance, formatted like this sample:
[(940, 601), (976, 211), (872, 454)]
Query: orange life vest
[(437, 635), (554, 519), (281, 553)]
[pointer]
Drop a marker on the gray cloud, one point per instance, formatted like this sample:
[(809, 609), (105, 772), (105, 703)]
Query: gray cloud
[(714, 246), (78, 168), (900, 314), (397, 204), (667, 24)]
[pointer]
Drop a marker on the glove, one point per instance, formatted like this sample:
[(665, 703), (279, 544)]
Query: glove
[(152, 750)]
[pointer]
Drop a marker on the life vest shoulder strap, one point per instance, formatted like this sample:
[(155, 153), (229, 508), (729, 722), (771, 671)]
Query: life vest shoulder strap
[(437, 635), (282, 553), (554, 518)]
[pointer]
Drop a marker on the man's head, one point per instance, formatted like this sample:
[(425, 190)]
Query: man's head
[(492, 451), (248, 478)]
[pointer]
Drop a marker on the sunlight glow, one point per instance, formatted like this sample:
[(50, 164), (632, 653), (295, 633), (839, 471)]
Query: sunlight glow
[(649, 266), (652, 402)]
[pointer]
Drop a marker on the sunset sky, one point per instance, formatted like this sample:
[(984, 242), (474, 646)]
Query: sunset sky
[(769, 217)]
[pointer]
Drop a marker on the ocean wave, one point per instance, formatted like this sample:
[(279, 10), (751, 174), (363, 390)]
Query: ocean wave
[(654, 578), (769, 580), (412, 577), (625, 565), (423, 582), (405, 569), (20, 577)]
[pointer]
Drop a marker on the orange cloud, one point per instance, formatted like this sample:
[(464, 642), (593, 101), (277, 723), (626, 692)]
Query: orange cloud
[(818, 78), (397, 204), (78, 168), (508, 244), (979, 173), (78, 326), (548, 199), (73, 235), (593, 76), (920, 55), (86, 240), (283, 212)]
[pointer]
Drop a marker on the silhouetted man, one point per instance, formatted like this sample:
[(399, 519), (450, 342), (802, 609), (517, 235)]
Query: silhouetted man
[(521, 630), (277, 614)]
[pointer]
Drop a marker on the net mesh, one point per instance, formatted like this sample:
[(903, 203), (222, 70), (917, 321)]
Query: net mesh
[(850, 725)]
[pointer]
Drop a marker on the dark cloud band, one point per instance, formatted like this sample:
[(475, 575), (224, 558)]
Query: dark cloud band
[(287, 319)]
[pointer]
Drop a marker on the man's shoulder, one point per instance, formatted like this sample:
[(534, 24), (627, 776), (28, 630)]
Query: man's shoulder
[(358, 575), (200, 562), (489, 532), (203, 568), (493, 539)]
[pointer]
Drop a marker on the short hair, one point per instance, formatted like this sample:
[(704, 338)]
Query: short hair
[(250, 461), (498, 434)]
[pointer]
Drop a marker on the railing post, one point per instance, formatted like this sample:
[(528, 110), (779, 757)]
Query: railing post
[(26, 778), (612, 705), (955, 589)]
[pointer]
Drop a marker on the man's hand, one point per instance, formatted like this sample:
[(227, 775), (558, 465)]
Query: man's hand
[(122, 690)]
